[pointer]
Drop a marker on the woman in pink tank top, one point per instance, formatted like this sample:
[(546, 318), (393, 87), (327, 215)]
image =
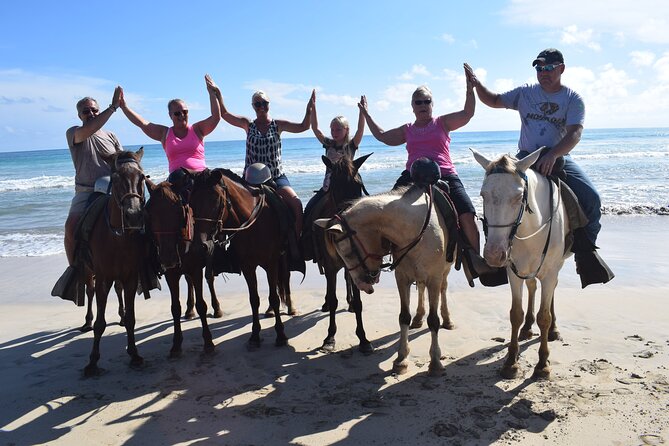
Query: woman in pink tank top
[(183, 143), (429, 137)]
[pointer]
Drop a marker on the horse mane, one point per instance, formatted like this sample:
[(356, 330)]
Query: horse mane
[(503, 164)]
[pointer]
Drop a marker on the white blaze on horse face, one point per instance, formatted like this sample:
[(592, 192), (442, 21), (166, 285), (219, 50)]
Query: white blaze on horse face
[(502, 195)]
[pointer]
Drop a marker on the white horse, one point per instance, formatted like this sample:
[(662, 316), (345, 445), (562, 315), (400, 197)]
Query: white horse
[(391, 223), (525, 222)]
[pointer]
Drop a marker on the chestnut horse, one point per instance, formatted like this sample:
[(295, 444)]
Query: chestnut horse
[(401, 223), (167, 221), (224, 208), (525, 222), (343, 188), (119, 249)]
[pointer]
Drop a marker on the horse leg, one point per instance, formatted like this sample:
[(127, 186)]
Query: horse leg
[(190, 300), (400, 364), (101, 293), (434, 291), (510, 367), (129, 291), (553, 332), (542, 369), (201, 307), (90, 294), (172, 277), (331, 303), (417, 320), (118, 289), (365, 347), (526, 331), (215, 304), (275, 303), (445, 315), (254, 300)]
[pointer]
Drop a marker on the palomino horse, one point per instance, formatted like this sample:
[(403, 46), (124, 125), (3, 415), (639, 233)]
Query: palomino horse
[(403, 224), (525, 222), (343, 187), (119, 248), (222, 206), (168, 220)]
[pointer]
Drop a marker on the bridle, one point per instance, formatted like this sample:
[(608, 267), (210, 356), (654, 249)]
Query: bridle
[(119, 201), (515, 224), (357, 246)]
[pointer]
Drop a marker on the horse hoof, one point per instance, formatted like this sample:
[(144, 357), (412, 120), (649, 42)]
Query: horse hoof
[(85, 328), (121, 323), (293, 312), (281, 342), (189, 316), (209, 349), (253, 345), (400, 368), (269, 313), (448, 325), (92, 370), (175, 354), (436, 369), (554, 336), (525, 335), (217, 314), (325, 308), (416, 323), (136, 362), (509, 372), (351, 309), (541, 374), (366, 348)]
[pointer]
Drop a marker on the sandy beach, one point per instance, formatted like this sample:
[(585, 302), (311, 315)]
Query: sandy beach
[(609, 384)]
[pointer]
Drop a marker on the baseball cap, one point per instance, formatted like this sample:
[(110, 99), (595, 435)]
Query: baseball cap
[(549, 56)]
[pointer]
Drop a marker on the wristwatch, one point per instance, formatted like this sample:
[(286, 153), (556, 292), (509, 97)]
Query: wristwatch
[(113, 109)]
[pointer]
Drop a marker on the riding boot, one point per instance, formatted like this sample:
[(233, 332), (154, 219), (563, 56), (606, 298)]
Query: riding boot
[(488, 275), (589, 266), (295, 257)]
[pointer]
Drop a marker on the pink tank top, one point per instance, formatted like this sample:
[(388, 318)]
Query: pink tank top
[(431, 141), (187, 152)]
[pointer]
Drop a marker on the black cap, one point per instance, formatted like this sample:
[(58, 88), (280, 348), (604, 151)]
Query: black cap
[(549, 56)]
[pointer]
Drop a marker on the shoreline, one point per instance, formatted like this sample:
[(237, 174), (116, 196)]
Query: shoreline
[(609, 385)]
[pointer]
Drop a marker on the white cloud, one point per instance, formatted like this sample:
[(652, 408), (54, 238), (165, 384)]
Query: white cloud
[(281, 93), (644, 20), (345, 100), (642, 58), (416, 70), (571, 35), (447, 38), (662, 68)]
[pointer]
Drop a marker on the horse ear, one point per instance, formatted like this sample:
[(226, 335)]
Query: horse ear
[(215, 177), (329, 224), (482, 160), (327, 161), (358, 162), (528, 161), (150, 184), (140, 153)]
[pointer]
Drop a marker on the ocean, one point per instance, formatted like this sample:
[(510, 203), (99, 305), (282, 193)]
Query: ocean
[(629, 167)]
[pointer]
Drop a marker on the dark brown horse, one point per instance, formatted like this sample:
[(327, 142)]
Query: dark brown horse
[(167, 221), (90, 294), (119, 249), (344, 186), (224, 208)]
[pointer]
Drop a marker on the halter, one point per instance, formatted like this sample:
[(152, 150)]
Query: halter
[(223, 206), (180, 234), (119, 201), (514, 226), (372, 275)]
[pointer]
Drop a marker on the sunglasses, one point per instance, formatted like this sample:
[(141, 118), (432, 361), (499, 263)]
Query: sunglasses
[(423, 101), (259, 104), (550, 67), (180, 113), (88, 110)]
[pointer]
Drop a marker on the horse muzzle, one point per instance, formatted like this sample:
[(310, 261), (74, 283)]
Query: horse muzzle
[(496, 256)]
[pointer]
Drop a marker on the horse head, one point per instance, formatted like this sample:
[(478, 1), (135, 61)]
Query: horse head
[(358, 248), (127, 187), (345, 182), (505, 194), (208, 201), (167, 221)]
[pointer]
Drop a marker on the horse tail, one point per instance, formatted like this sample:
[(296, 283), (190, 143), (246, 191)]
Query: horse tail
[(283, 282)]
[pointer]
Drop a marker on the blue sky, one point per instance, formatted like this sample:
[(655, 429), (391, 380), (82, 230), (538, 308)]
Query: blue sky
[(53, 53)]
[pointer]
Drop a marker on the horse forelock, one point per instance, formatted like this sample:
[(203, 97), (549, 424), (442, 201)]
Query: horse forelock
[(503, 164), (164, 190)]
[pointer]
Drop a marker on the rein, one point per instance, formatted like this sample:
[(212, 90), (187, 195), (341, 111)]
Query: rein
[(514, 226), (119, 202)]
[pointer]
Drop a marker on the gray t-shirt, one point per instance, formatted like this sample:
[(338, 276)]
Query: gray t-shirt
[(86, 156), (544, 116)]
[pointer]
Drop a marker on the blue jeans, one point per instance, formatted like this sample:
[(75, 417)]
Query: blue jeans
[(587, 195)]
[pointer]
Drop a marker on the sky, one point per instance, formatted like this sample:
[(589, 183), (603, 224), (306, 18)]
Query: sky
[(54, 53)]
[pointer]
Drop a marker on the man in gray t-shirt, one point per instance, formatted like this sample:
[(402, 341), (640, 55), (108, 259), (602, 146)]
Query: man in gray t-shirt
[(552, 116), (88, 144)]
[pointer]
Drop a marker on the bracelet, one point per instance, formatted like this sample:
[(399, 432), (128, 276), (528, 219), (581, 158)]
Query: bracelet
[(113, 109)]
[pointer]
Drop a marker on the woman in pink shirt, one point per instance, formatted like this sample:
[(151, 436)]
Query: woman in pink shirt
[(430, 137), (183, 143)]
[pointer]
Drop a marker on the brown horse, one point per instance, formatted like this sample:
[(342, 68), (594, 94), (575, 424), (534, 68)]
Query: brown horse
[(224, 208), (118, 249), (167, 221), (90, 294), (344, 186)]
